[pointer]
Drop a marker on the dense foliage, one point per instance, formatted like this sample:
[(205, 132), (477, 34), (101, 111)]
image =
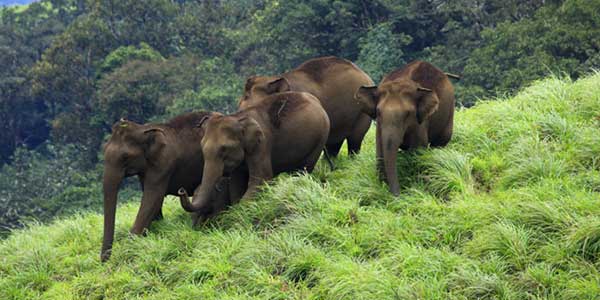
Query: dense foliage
[(70, 68), (509, 210)]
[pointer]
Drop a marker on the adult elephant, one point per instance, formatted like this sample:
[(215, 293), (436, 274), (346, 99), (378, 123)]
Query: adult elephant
[(165, 157), (413, 107), (284, 132), (333, 81)]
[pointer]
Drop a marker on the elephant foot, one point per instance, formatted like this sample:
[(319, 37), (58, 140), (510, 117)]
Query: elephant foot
[(105, 255), (159, 216), (138, 232), (329, 161)]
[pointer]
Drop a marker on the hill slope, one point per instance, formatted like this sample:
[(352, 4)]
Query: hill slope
[(511, 210)]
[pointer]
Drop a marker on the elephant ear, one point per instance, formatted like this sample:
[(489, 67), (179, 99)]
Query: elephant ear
[(279, 85), (201, 125), (249, 83), (202, 121), (153, 140), (367, 99), (427, 104), (252, 134)]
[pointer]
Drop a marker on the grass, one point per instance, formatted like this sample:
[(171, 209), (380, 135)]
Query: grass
[(509, 210)]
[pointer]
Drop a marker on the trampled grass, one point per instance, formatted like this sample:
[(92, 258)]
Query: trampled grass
[(509, 210)]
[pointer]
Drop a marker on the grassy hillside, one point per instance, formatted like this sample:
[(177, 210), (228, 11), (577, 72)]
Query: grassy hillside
[(510, 210)]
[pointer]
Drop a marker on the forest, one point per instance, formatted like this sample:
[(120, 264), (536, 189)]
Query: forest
[(71, 68)]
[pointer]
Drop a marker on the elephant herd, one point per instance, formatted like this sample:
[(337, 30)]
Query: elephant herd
[(283, 124)]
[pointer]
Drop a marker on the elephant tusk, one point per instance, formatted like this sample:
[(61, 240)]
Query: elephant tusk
[(453, 76)]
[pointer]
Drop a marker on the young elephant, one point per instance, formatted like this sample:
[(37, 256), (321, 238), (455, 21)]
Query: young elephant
[(285, 132), (333, 81), (165, 157), (413, 107)]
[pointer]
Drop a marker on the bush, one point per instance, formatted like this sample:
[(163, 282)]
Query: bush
[(50, 182), (218, 88)]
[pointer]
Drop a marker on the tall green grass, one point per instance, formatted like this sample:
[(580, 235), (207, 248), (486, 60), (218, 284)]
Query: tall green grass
[(509, 210)]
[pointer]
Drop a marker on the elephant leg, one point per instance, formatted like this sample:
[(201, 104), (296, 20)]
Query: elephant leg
[(329, 161), (333, 149), (259, 171), (311, 160), (443, 139), (379, 154), (238, 184), (159, 215), (358, 134), (152, 201), (353, 146)]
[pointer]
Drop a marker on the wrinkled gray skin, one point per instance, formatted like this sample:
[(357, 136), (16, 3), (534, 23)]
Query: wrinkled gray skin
[(413, 107), (164, 157)]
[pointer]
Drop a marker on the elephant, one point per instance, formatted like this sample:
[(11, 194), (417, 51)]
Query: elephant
[(413, 107), (165, 157), (333, 81), (285, 132)]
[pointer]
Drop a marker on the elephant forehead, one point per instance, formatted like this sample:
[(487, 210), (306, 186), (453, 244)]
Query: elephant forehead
[(399, 87), (220, 121), (114, 153), (222, 126), (257, 81), (395, 103)]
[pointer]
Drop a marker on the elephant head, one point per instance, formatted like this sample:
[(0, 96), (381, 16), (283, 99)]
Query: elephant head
[(260, 87), (228, 142), (399, 107), (127, 153)]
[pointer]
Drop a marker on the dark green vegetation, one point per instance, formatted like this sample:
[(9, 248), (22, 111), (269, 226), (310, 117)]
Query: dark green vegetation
[(509, 210), (70, 68)]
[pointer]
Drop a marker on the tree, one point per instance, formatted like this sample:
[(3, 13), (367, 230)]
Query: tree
[(125, 54), (286, 33), (559, 38), (381, 51), (141, 90), (24, 35)]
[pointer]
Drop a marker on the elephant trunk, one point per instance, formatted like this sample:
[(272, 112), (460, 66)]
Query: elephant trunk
[(390, 142), (184, 198), (111, 181), (202, 195), (379, 152)]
